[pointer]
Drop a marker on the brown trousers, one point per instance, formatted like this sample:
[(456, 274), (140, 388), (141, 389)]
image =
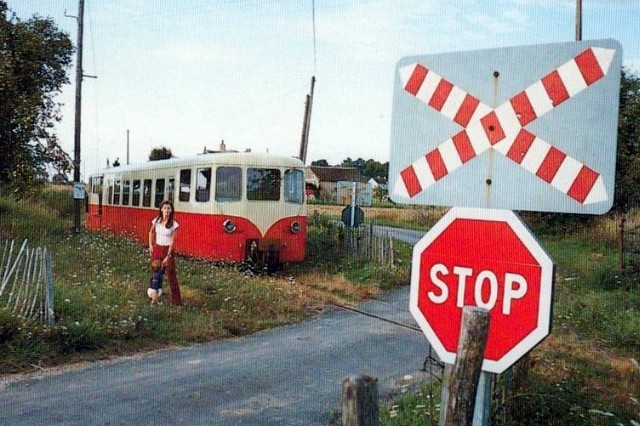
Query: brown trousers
[(160, 252)]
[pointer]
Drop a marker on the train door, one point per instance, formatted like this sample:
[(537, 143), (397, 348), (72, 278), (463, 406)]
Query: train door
[(95, 195), (94, 204)]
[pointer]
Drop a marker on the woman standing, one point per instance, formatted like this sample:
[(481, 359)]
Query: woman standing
[(162, 240)]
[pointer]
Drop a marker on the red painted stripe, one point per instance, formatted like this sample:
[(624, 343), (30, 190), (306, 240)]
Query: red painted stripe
[(521, 146), (555, 88), (202, 235), (411, 181), (463, 145), (581, 187), (416, 79), (468, 107), (589, 67), (551, 164), (492, 127), (440, 95), (522, 106), (436, 164)]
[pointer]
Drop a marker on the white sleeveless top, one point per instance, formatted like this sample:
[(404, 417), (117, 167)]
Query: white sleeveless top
[(164, 235)]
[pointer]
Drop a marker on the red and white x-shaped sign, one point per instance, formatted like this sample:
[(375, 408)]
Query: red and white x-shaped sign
[(503, 128)]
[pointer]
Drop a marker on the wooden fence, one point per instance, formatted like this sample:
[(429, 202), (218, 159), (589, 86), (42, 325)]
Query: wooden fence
[(365, 244), (26, 281), (630, 247)]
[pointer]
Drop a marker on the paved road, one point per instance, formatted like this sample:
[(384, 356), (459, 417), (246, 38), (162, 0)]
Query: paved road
[(407, 235), (287, 376)]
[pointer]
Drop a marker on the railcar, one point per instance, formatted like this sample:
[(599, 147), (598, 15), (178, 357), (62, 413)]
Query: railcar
[(231, 207)]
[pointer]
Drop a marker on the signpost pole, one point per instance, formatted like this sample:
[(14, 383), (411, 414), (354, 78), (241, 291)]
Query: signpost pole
[(482, 410)]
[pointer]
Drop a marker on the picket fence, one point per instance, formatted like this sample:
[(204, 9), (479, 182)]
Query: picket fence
[(26, 286)]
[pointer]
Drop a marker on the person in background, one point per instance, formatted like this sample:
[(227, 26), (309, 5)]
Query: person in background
[(162, 240)]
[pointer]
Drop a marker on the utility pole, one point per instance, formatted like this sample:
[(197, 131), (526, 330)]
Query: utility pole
[(306, 123), (78, 195), (578, 20)]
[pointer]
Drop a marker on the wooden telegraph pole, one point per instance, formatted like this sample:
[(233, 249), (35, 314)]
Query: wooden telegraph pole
[(78, 195), (306, 122), (578, 20)]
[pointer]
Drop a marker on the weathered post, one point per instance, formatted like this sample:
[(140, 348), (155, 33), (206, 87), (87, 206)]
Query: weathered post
[(360, 401), (463, 382), (623, 219), (50, 316)]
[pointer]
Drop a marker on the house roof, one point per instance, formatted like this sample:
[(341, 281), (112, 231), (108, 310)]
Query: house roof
[(380, 180), (336, 174)]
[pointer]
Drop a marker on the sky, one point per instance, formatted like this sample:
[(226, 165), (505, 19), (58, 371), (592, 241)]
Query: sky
[(187, 74)]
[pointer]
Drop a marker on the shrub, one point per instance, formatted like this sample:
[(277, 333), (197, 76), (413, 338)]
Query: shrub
[(10, 325), (324, 239)]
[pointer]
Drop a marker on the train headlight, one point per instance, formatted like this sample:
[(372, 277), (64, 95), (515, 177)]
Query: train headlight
[(229, 226), (295, 227)]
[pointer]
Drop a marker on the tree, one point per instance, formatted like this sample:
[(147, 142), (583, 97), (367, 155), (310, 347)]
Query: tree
[(373, 169), (34, 58), (627, 195), (162, 153), (369, 168), (320, 163)]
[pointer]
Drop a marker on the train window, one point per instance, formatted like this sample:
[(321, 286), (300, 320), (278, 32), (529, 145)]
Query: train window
[(203, 184), (96, 184), (126, 188), (263, 184), (228, 184), (159, 192), (170, 187), (294, 186), (116, 192), (185, 185), (146, 193), (135, 201)]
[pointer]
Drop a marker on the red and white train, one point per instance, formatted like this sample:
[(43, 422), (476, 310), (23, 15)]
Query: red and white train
[(231, 206)]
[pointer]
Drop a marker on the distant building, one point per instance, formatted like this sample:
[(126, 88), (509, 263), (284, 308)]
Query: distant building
[(378, 182), (336, 184)]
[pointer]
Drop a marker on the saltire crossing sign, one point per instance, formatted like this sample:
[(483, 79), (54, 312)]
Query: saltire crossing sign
[(523, 128)]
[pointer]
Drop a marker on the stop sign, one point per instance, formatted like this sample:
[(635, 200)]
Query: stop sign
[(485, 258)]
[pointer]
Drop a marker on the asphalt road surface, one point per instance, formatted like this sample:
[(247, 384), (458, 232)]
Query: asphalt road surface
[(407, 235), (291, 375)]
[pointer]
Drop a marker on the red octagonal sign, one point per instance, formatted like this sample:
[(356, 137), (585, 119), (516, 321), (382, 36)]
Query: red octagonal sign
[(485, 258)]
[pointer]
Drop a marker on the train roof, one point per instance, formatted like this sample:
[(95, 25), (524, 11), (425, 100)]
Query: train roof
[(218, 158)]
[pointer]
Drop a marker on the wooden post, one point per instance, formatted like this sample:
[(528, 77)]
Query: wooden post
[(463, 382), (76, 137), (447, 372), (623, 219), (50, 316), (360, 401)]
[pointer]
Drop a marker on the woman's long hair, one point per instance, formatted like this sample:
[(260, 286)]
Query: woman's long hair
[(159, 218)]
